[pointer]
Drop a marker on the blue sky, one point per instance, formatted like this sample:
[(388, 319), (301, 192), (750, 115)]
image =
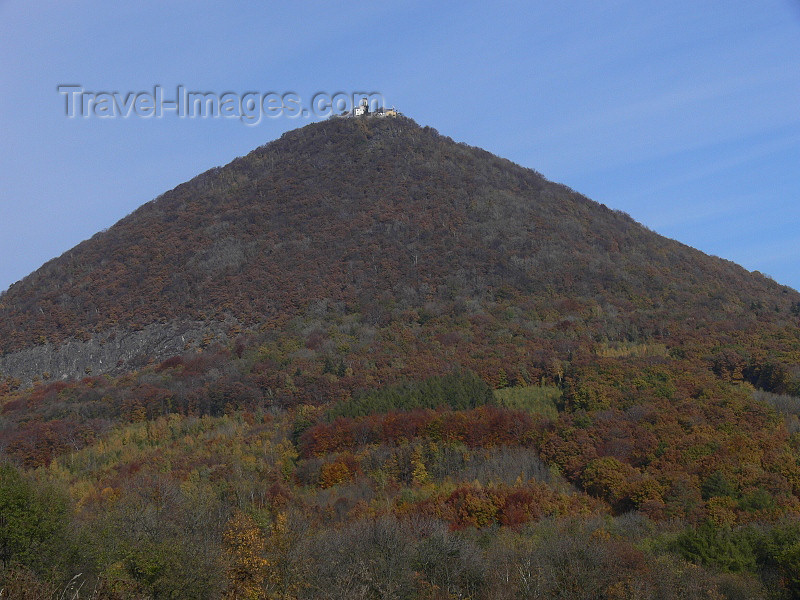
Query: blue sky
[(684, 114)]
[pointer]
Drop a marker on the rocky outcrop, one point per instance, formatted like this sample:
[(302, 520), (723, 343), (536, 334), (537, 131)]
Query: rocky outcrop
[(112, 352)]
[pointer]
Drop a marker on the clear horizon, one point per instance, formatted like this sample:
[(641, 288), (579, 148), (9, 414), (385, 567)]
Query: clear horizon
[(686, 117)]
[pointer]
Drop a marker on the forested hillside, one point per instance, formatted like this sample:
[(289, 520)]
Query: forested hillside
[(405, 368)]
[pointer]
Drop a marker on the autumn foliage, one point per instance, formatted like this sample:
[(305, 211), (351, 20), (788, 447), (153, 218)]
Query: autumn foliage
[(422, 372)]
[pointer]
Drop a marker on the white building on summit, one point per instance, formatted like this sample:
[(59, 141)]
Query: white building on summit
[(362, 110)]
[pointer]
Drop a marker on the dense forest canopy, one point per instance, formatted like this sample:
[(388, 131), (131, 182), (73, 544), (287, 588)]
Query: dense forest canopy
[(407, 369)]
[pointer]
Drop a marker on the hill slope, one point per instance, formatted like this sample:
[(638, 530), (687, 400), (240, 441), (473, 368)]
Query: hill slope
[(365, 357), (376, 217)]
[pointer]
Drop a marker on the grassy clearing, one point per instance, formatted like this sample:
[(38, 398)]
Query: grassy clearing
[(534, 399)]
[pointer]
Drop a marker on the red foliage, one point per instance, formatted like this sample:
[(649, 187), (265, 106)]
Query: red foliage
[(481, 427), (36, 444), (170, 363)]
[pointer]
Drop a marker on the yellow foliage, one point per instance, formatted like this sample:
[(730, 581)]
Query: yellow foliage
[(138, 414), (721, 510), (624, 350), (246, 567), (419, 473), (110, 494), (647, 491), (333, 474)]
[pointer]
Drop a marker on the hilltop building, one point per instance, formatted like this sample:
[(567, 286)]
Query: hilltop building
[(386, 112), (362, 110)]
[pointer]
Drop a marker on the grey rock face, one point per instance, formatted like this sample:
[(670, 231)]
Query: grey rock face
[(111, 352)]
